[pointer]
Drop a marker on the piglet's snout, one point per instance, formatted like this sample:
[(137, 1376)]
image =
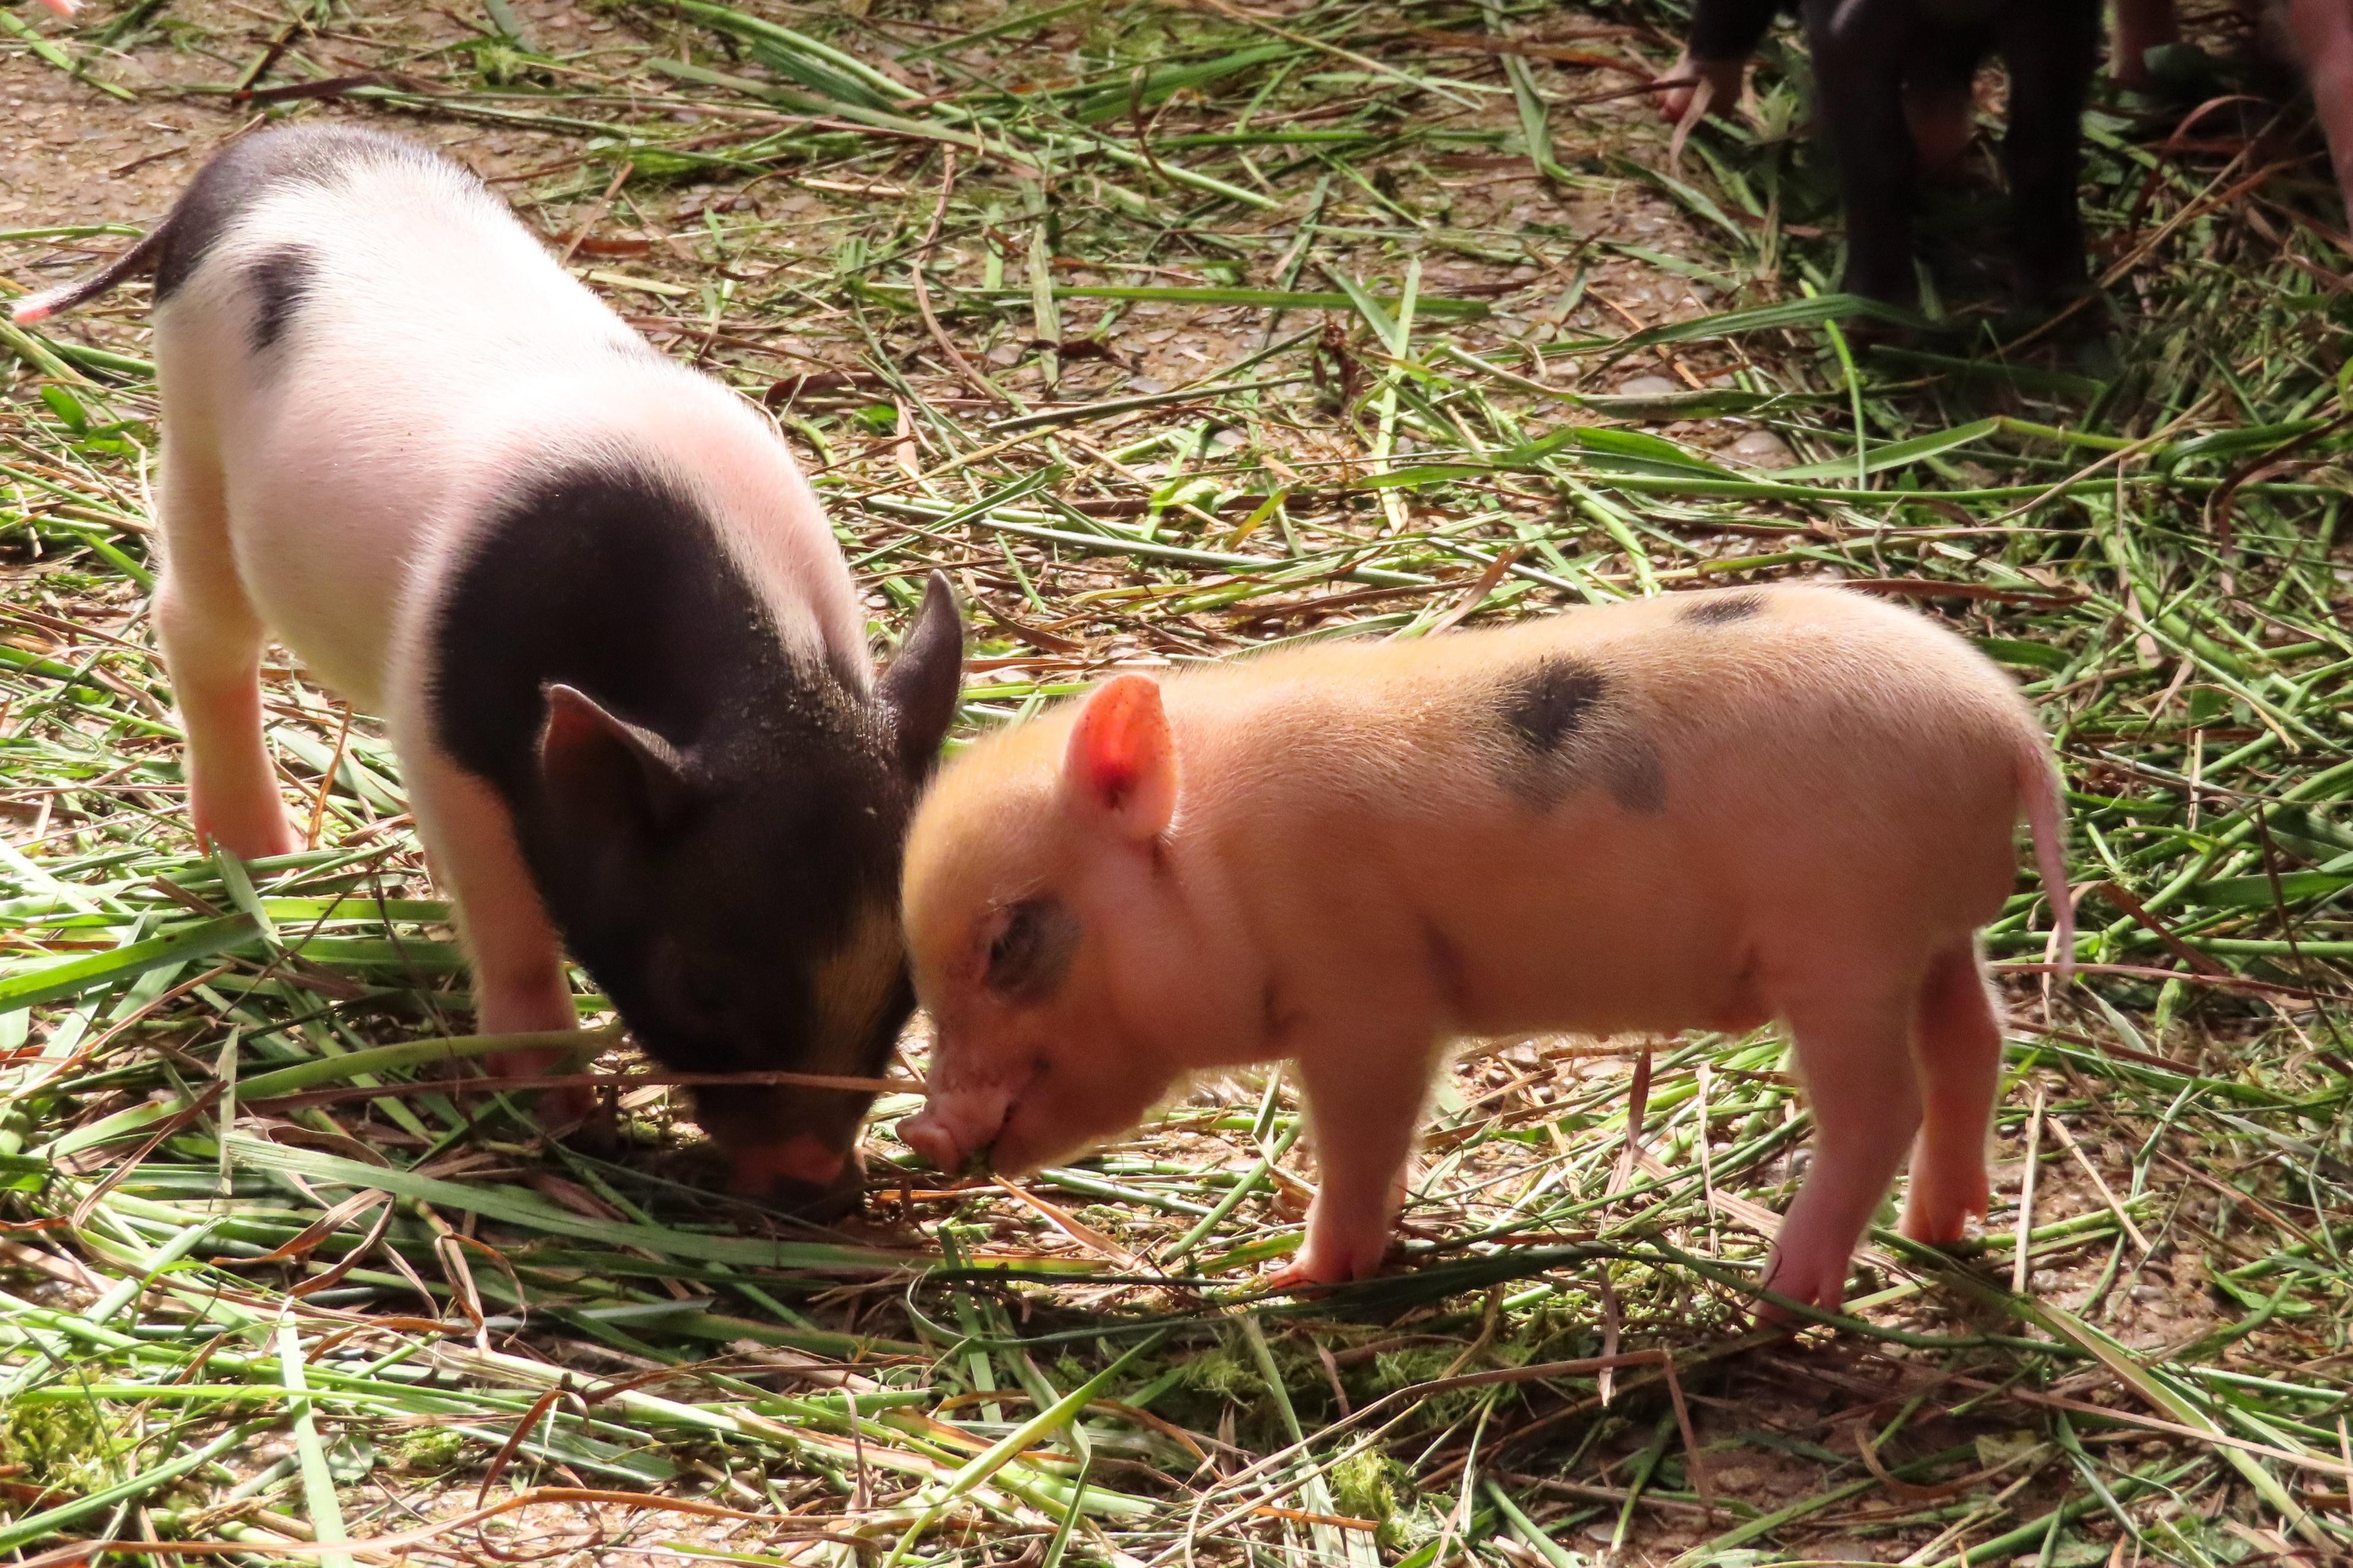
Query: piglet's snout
[(805, 1160), (957, 1123)]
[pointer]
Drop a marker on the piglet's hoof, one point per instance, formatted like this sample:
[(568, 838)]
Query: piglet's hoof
[(2178, 73), (1315, 1271), (568, 1106), (1816, 1281), (1298, 1280), (594, 1129)]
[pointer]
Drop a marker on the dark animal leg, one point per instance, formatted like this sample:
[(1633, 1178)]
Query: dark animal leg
[(2049, 46), (1859, 53)]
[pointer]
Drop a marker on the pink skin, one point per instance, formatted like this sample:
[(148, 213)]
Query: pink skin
[(212, 643), (2323, 34), (804, 1160), (1722, 78), (63, 7), (2141, 26), (520, 985), (326, 495), (1941, 126), (2319, 33), (1795, 803)]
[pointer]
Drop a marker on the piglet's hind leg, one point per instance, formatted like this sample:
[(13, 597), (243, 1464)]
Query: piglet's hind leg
[(1959, 1045), (212, 641), (1363, 1109), (1854, 1053)]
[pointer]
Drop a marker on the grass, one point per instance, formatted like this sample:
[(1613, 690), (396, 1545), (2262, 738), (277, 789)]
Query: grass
[(1172, 332)]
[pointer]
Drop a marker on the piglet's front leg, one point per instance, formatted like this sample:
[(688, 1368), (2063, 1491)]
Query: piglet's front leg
[(519, 982), (1362, 1106)]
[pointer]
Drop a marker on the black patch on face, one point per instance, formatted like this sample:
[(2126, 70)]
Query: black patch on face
[(1030, 957), (1720, 609), (279, 282), (1566, 734), (1549, 706), (251, 167), (709, 918)]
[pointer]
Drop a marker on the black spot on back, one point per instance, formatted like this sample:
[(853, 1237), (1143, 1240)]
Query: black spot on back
[(1720, 609), (279, 281), (1546, 706), (1569, 735), (713, 933), (254, 165)]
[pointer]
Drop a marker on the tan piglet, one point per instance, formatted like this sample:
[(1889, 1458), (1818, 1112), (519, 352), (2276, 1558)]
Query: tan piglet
[(1703, 811)]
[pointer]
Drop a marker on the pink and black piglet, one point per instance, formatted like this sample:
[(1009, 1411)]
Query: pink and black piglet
[(597, 605)]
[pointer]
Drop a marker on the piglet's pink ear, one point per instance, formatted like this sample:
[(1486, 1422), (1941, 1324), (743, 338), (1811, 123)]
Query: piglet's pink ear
[(606, 776), (1122, 760)]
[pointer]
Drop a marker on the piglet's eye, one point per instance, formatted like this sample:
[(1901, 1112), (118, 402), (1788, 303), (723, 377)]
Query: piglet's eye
[(1028, 959)]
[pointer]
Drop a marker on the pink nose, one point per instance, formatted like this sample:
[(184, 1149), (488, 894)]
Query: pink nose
[(804, 1160), (958, 1121), (928, 1134)]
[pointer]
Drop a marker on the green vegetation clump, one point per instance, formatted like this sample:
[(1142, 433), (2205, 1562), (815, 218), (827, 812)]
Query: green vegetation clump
[(66, 1444), (428, 1451)]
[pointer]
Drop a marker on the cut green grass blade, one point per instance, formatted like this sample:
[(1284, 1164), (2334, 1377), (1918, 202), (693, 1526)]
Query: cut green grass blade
[(326, 1515)]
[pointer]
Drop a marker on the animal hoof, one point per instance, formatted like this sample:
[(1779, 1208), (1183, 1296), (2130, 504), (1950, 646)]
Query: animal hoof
[(1294, 1278), (566, 1107), (1317, 1267), (249, 835), (1811, 1282)]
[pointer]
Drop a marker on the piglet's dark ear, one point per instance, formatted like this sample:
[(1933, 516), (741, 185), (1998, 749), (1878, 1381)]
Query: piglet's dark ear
[(606, 775), (925, 677)]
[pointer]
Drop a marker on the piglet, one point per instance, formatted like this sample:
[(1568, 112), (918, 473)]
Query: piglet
[(2316, 37), (2322, 34), (1697, 811), (596, 605), (1893, 85)]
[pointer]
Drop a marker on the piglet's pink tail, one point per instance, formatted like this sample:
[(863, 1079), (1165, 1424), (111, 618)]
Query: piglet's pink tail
[(2046, 819)]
